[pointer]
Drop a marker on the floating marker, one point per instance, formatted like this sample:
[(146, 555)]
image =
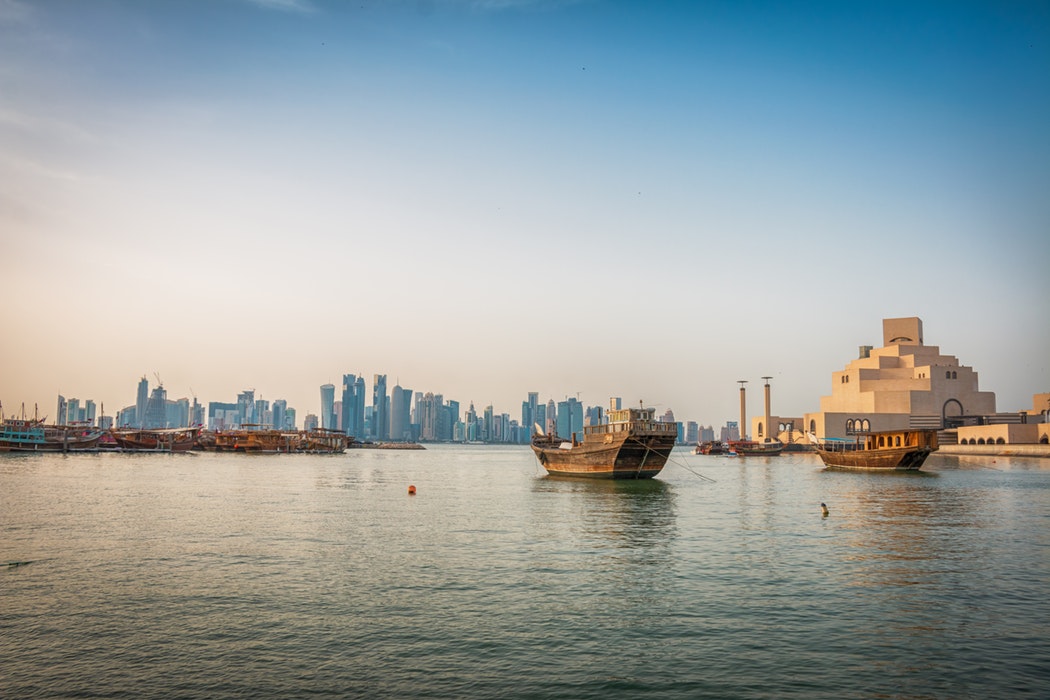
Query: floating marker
[(824, 509), (411, 490)]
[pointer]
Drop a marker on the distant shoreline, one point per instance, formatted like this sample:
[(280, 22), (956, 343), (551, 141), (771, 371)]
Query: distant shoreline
[(1039, 450)]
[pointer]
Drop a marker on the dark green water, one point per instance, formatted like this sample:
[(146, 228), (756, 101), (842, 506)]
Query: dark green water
[(212, 576)]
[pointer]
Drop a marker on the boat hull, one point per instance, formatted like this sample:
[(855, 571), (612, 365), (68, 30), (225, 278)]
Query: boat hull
[(896, 459), (633, 458), (899, 451)]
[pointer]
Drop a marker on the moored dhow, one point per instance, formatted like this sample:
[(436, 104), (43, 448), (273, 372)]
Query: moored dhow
[(31, 435), (155, 440), (632, 445), (884, 450)]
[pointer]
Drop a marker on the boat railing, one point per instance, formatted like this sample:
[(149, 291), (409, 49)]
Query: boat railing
[(642, 426)]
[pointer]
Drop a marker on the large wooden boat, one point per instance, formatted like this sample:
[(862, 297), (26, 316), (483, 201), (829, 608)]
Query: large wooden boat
[(632, 445), (750, 448), (249, 439), (155, 440), (254, 439), (889, 450), (31, 435), (324, 441)]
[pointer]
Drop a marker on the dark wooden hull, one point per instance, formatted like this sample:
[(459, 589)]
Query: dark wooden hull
[(756, 449), (887, 459), (630, 457), (155, 440)]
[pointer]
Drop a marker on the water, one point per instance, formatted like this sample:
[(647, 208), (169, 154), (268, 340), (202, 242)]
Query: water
[(209, 576)]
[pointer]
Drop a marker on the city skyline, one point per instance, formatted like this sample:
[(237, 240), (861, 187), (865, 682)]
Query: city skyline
[(482, 199)]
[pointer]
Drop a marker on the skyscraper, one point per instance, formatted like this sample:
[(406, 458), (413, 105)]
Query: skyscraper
[(570, 417), (280, 412), (400, 414), (352, 421), (246, 406), (141, 399), (328, 406), (380, 408)]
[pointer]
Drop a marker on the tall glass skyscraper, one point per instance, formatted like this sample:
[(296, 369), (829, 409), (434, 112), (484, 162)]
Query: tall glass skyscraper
[(328, 406), (380, 409)]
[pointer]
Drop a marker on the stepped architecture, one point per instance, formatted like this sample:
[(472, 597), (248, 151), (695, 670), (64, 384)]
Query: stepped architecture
[(904, 384)]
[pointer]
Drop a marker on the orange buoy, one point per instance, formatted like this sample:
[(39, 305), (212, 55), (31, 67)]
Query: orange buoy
[(411, 490)]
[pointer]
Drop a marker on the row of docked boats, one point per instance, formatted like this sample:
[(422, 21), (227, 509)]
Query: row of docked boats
[(883, 450), (32, 435)]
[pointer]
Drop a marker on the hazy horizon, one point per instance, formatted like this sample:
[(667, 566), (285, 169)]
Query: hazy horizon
[(486, 198)]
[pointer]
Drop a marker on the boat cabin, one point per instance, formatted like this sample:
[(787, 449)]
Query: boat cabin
[(636, 420)]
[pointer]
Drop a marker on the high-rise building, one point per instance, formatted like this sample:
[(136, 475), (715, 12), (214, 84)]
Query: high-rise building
[(551, 425), (487, 428), (328, 406), (280, 414), (380, 408), (594, 415), (141, 399), (60, 414), (400, 414), (246, 407), (89, 411), (427, 409), (157, 409), (223, 416), (353, 417), (570, 417)]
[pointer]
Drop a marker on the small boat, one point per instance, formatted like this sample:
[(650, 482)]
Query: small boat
[(155, 440), (632, 445), (884, 450), (710, 448), (750, 448)]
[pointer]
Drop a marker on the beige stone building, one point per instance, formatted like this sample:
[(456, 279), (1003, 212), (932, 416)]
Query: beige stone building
[(904, 384)]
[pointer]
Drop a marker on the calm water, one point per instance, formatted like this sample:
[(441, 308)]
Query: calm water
[(210, 576)]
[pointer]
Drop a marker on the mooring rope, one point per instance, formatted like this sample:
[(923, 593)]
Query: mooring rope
[(680, 464)]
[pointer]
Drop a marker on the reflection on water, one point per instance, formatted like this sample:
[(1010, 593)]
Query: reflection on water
[(285, 576)]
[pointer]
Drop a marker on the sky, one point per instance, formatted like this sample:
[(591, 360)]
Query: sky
[(482, 198)]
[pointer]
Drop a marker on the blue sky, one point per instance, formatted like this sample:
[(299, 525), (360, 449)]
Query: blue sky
[(649, 200)]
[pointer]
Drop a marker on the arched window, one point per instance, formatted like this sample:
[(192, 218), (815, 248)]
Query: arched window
[(1044, 440), (812, 425), (849, 425), (1000, 441), (954, 375), (898, 441), (972, 441), (865, 425), (947, 375), (760, 430), (882, 441)]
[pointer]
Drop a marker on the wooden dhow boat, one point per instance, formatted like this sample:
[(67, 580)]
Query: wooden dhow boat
[(632, 445), (750, 448), (31, 435), (884, 450), (155, 440)]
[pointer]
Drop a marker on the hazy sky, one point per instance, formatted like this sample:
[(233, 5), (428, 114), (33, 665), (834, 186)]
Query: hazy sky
[(485, 198)]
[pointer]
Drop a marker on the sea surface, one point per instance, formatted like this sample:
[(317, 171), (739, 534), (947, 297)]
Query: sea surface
[(303, 576)]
